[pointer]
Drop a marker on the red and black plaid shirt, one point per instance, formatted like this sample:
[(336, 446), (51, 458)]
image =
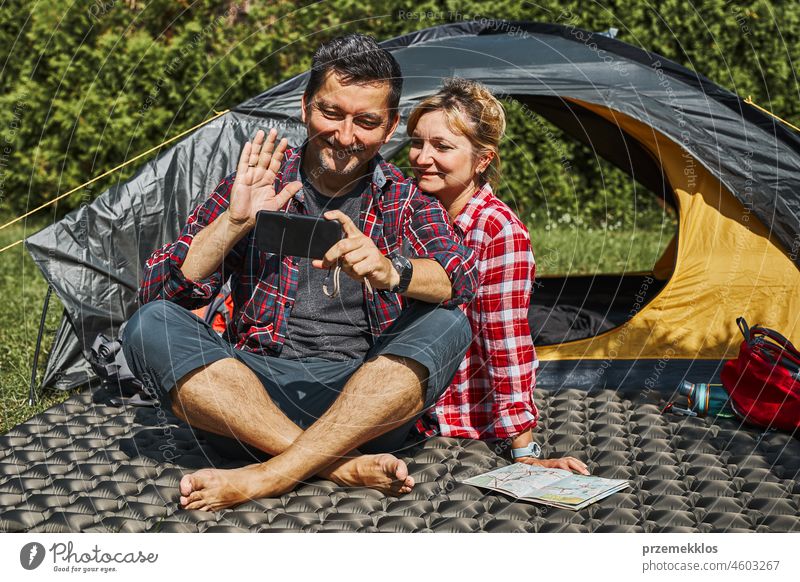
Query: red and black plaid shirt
[(492, 393), (395, 214)]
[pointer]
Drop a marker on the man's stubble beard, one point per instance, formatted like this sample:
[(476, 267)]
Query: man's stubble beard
[(326, 167)]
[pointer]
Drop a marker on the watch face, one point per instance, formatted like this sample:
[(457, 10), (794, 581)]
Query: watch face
[(401, 264), (404, 268)]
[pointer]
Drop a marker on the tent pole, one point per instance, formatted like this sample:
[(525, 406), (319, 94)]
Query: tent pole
[(32, 391)]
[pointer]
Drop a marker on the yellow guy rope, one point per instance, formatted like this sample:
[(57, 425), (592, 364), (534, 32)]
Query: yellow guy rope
[(111, 171), (749, 101), (11, 245)]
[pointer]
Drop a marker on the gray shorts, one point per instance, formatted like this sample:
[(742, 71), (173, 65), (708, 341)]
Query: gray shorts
[(163, 342)]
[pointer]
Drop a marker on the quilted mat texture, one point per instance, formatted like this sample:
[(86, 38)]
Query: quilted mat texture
[(85, 465)]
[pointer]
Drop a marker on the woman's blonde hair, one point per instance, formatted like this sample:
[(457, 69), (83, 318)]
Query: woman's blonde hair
[(471, 110)]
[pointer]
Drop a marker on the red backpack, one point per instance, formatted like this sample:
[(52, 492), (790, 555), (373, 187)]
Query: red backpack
[(764, 381)]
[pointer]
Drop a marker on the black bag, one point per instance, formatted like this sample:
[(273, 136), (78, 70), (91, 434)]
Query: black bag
[(108, 362)]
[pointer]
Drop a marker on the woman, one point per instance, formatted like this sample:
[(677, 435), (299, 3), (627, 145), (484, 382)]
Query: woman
[(454, 155)]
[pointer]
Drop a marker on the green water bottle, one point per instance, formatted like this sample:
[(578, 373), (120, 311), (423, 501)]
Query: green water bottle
[(707, 399)]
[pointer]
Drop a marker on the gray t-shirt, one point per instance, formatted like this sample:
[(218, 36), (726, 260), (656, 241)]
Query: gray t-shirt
[(319, 326)]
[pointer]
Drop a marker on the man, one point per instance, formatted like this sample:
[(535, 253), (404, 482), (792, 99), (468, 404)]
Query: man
[(307, 379)]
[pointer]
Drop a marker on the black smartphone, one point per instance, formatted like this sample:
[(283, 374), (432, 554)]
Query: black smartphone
[(295, 234)]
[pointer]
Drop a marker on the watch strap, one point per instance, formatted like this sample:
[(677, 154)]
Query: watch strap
[(532, 450), (404, 268)]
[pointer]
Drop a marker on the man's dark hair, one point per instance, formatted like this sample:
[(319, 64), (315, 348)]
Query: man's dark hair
[(357, 59)]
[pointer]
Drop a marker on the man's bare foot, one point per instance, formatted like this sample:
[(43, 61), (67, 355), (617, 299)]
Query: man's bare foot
[(383, 472), (215, 489)]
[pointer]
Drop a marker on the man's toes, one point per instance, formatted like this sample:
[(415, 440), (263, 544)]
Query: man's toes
[(195, 496), (400, 489), (392, 467), (400, 470), (187, 485), (200, 505)]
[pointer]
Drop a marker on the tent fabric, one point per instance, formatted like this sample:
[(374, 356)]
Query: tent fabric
[(726, 267), (92, 257)]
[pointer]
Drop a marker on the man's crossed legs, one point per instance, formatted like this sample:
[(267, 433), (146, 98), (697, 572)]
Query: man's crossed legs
[(311, 416)]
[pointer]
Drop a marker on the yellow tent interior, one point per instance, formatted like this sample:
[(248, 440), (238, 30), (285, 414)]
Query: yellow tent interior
[(726, 265)]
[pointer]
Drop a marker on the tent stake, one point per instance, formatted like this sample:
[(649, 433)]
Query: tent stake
[(32, 391)]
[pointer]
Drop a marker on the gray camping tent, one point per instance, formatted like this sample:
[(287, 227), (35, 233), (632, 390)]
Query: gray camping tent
[(92, 258)]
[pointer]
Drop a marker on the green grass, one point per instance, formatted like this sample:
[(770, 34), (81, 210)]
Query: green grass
[(576, 251), (22, 289), (560, 250)]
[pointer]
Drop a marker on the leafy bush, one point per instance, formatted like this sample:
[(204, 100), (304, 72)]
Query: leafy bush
[(89, 84)]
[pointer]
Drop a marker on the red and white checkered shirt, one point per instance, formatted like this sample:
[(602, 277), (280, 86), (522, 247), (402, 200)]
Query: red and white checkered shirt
[(492, 393)]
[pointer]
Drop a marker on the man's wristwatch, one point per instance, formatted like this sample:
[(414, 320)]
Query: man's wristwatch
[(532, 450), (405, 269)]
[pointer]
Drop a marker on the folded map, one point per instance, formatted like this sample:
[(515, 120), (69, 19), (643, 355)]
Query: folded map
[(555, 487)]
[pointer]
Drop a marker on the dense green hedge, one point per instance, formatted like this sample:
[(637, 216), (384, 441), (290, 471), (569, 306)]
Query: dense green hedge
[(88, 84)]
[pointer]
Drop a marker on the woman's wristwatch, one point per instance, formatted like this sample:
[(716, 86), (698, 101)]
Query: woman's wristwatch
[(532, 450)]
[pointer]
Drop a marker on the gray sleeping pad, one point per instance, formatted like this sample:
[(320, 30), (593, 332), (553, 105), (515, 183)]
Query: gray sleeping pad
[(88, 466)]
